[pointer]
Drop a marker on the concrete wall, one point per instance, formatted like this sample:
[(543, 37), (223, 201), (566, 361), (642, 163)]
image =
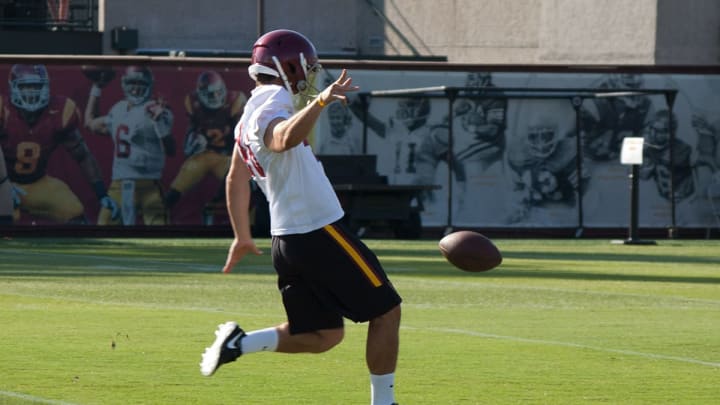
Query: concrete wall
[(233, 25), (466, 31), (689, 32)]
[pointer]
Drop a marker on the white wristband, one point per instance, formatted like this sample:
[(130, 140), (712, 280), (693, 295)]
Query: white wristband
[(95, 91)]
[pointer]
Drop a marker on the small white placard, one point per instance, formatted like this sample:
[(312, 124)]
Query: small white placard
[(632, 151)]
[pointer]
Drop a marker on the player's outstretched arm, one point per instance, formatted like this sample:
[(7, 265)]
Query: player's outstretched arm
[(238, 204), (282, 135), (78, 149), (92, 119)]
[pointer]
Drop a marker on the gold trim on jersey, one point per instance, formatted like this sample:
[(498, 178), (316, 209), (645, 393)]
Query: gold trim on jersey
[(354, 255)]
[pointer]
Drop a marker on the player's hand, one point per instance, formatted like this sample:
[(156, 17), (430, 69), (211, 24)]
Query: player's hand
[(194, 143), (109, 203), (17, 194), (238, 249), (337, 90), (701, 124), (156, 108)]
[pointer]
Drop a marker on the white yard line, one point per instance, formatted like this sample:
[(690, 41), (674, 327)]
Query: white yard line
[(480, 285), (31, 398), (568, 344), (161, 265)]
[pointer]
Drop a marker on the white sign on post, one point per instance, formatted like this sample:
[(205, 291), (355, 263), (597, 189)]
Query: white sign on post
[(632, 151)]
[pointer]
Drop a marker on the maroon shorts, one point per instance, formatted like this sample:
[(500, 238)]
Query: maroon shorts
[(327, 275)]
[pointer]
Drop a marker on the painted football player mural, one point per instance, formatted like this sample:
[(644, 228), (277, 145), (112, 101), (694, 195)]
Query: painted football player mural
[(141, 129), (212, 111), (707, 165), (607, 121), (480, 137), (656, 158), (341, 140), (33, 124), (543, 167)]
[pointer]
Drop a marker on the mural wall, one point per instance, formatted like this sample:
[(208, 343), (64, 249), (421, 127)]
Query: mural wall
[(149, 144), (158, 138), (515, 160)]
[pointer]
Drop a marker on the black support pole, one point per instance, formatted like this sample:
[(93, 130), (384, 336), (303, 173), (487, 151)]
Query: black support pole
[(633, 238), (577, 102), (451, 95), (670, 99)]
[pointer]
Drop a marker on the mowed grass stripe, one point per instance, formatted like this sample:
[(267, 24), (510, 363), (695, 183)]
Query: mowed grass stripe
[(560, 322)]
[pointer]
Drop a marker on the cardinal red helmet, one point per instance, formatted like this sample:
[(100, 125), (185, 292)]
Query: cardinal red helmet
[(211, 89), (29, 87), (286, 54)]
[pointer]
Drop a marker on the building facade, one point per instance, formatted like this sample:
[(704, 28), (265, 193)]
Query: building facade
[(524, 32)]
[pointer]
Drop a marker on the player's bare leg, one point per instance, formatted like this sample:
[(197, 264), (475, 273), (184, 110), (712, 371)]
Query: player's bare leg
[(383, 343), (311, 342), (232, 342)]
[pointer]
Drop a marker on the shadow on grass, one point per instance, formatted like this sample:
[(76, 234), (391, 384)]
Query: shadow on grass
[(713, 258), (593, 276), (50, 258)]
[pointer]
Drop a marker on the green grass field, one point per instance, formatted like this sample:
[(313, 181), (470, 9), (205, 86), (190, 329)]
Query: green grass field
[(124, 321)]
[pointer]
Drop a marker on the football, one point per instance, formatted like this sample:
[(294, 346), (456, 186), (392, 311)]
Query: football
[(470, 251), (100, 75)]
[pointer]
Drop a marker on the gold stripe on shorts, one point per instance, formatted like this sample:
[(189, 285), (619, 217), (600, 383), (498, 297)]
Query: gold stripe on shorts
[(356, 257)]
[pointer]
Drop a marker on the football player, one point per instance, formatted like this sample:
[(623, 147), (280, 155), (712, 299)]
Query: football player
[(213, 112), (403, 133), (543, 168), (656, 162), (32, 126), (481, 138), (607, 121), (416, 147), (341, 141), (141, 129), (707, 165)]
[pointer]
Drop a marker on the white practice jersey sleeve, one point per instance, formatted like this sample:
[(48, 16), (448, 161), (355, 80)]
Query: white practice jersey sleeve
[(299, 193)]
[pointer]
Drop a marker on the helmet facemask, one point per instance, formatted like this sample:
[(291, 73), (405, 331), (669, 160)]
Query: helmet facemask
[(212, 94), (137, 85), (413, 112), (30, 90), (305, 86), (542, 140)]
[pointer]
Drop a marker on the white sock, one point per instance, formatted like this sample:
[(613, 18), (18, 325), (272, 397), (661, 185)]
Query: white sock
[(382, 389), (263, 340)]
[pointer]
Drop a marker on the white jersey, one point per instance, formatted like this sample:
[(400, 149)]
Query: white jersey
[(139, 152), (299, 193)]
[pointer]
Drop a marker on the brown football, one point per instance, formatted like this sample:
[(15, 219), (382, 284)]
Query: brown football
[(470, 251), (100, 75)]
